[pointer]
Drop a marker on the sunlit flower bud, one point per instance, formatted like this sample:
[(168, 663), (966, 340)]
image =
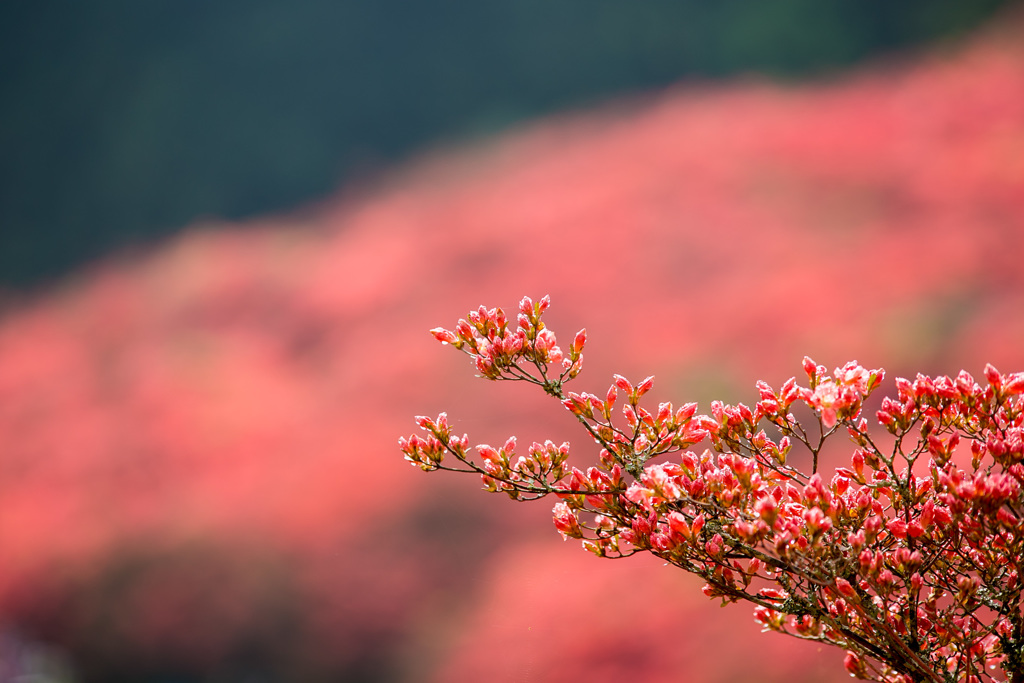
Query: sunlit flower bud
[(661, 542), (745, 530), (566, 522), (904, 388), (444, 336), (816, 520), (686, 412), (865, 559), (942, 515), (488, 452), (1014, 384), (578, 341), (965, 383), (767, 509), (840, 484), (810, 367), (545, 341), (897, 527), (526, 306), (677, 522), (927, 513), (993, 376), (764, 391)]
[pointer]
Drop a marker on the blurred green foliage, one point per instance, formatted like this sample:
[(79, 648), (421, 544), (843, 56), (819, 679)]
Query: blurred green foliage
[(121, 120)]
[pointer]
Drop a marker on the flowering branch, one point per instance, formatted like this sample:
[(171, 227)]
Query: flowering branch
[(909, 558)]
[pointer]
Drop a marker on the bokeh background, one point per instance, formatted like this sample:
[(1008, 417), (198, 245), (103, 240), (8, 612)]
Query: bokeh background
[(225, 227)]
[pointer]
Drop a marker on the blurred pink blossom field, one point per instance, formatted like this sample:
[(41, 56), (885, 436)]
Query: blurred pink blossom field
[(198, 462)]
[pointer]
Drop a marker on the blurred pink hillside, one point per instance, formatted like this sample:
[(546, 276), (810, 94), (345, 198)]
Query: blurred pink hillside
[(199, 468)]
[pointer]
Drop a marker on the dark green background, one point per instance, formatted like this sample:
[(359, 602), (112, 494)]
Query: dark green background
[(123, 120)]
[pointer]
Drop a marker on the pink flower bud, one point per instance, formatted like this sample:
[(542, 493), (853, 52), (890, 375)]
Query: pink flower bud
[(745, 530), (661, 542), (566, 522), (897, 527), (579, 340), (993, 376), (864, 559), (677, 522), (488, 452), (1007, 518), (1014, 384), (855, 665), (816, 520), (765, 391), (766, 508), (444, 336), (714, 546), (545, 341), (686, 412), (845, 589)]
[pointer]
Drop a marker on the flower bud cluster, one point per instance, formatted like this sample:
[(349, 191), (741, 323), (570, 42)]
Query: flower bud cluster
[(498, 349), (427, 452)]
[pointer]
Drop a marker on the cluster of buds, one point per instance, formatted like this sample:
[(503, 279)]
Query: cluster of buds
[(909, 558), (500, 351)]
